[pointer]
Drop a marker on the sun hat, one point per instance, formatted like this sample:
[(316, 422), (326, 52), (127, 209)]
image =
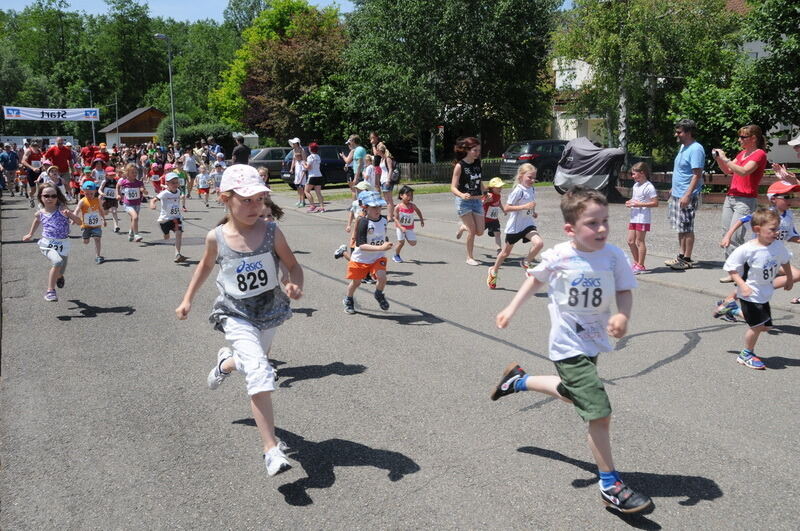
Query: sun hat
[(496, 182), (68, 144), (294, 140), (171, 176), (795, 141), (373, 199), (782, 187), (168, 166), (89, 185), (364, 186), (242, 179)]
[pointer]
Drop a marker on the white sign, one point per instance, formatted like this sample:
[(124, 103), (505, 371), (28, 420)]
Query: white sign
[(70, 115)]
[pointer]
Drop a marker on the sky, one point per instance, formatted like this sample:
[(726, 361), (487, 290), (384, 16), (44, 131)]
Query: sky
[(181, 10)]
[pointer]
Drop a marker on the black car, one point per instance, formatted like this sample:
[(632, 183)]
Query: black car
[(544, 154), (270, 157), (331, 165)]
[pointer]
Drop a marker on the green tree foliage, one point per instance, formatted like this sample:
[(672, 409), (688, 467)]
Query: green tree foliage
[(640, 52), (240, 13), (285, 69)]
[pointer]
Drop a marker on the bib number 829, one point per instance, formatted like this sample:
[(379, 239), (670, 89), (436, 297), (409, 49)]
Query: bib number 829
[(251, 280), (593, 297)]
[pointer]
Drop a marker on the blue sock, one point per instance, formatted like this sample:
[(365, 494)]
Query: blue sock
[(519, 385), (748, 352), (607, 479)]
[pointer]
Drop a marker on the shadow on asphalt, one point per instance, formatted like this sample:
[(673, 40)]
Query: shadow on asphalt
[(693, 488), (424, 318), (308, 312), (401, 283), (86, 310), (290, 375), (109, 260)]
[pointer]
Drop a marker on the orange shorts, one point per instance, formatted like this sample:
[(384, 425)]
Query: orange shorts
[(357, 270)]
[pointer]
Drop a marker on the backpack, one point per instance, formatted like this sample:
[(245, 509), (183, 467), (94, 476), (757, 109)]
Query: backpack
[(394, 178)]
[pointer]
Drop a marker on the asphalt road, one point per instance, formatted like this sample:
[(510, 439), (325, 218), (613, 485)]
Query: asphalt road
[(106, 421)]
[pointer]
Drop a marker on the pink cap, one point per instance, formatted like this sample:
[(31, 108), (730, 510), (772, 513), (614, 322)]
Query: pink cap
[(242, 179)]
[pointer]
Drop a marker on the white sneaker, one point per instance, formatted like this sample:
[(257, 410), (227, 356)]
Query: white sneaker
[(276, 461), (216, 377)]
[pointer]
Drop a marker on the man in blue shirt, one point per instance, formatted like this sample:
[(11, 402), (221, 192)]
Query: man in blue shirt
[(9, 163), (687, 178)]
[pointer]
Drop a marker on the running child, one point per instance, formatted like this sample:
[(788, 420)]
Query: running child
[(753, 267), (355, 211), (251, 303), (92, 216), (216, 175), (520, 225), (156, 174), (492, 206), (404, 213), (170, 217), (582, 276), (52, 176), (183, 179), (643, 198), (99, 170), (367, 258), (54, 217), (108, 189), (131, 191), (778, 194), (204, 183)]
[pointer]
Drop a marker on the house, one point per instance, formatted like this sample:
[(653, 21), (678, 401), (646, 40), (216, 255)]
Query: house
[(136, 127)]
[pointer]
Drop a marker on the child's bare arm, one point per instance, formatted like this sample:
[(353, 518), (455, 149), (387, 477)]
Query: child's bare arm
[(529, 287), (34, 226), (200, 275), (419, 215), (75, 219), (618, 323), (726, 240), (744, 289), (294, 287), (787, 270)]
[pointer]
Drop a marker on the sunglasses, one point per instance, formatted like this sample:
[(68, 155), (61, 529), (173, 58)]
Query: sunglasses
[(784, 196), (742, 137), (48, 196)]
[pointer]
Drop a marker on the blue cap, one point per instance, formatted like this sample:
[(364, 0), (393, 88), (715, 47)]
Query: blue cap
[(89, 185), (373, 199)]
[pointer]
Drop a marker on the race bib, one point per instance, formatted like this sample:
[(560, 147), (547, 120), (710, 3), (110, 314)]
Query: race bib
[(110, 193), (59, 246), (131, 194), (493, 212), (406, 218), (174, 210), (249, 276), (584, 291), (36, 163), (92, 218)]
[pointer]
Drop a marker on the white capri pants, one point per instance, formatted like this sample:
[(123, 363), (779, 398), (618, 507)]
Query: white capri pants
[(250, 347)]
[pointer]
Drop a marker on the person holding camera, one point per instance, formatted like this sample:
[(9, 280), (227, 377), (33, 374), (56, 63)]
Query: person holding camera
[(746, 171)]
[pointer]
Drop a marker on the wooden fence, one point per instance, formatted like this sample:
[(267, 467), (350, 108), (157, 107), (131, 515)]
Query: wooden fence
[(441, 172)]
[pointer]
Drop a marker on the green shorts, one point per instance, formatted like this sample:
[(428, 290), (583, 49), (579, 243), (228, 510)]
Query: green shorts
[(580, 383)]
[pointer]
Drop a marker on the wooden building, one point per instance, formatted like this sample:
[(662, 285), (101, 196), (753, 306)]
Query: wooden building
[(136, 127)]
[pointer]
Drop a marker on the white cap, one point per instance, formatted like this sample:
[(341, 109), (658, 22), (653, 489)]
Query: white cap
[(795, 141), (68, 144), (171, 176), (242, 179), (294, 140)]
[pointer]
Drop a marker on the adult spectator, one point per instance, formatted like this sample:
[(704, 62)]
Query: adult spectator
[(32, 162), (780, 169), (374, 140), (296, 146), (356, 159), (61, 157), (687, 173), (746, 171), (102, 153), (214, 149), (9, 164), (466, 185), (241, 153), (387, 165), (190, 167)]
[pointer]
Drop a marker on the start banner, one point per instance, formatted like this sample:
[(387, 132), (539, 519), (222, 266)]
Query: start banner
[(60, 115)]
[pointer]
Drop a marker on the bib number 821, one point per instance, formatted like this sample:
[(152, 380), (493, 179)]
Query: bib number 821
[(58, 247), (251, 280), (593, 297)]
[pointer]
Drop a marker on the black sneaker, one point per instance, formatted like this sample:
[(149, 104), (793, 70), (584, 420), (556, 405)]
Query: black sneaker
[(349, 305), (622, 498), (338, 253), (60, 282), (511, 374), (382, 302)]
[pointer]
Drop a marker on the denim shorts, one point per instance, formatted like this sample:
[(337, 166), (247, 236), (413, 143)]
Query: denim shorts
[(466, 206), (132, 208), (91, 232), (387, 187)]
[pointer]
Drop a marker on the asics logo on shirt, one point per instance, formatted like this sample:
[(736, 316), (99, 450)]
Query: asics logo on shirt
[(586, 282), (244, 266)]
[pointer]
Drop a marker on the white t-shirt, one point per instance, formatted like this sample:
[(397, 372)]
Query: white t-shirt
[(582, 287), (642, 192), (385, 176), (189, 163), (203, 180), (758, 266), (313, 161), (520, 220), (372, 232), (170, 205), (217, 176), (369, 176), (299, 172)]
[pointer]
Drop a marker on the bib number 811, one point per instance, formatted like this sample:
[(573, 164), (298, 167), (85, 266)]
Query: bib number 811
[(251, 280), (593, 297)]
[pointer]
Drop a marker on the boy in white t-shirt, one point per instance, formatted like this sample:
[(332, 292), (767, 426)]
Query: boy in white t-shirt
[(582, 275), (753, 267), (643, 198), (170, 216), (216, 175)]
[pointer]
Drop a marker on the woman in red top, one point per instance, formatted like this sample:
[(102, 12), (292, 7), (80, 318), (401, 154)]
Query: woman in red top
[(746, 171)]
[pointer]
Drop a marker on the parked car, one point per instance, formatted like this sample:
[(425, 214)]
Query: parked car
[(271, 158), (331, 165), (544, 154)]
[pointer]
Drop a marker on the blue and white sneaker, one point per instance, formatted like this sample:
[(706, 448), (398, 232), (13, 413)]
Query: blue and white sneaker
[(751, 361), (216, 376), (726, 311)]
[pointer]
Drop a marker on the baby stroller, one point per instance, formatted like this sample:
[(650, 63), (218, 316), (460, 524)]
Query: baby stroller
[(582, 163)]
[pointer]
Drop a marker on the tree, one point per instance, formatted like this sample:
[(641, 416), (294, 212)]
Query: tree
[(240, 13), (640, 52)]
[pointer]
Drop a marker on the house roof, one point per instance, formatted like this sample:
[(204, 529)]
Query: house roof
[(127, 118)]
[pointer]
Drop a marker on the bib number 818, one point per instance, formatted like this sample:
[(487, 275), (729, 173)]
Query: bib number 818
[(251, 280), (575, 296)]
